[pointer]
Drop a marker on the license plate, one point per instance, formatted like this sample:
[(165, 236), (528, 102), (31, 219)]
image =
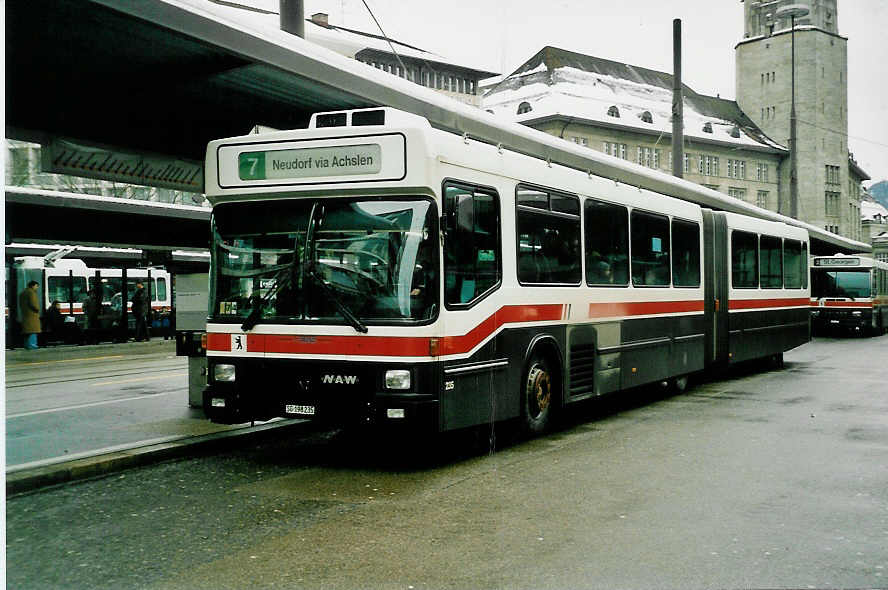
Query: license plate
[(300, 410)]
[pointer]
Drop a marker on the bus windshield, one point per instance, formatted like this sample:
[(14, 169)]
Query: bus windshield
[(328, 260), (847, 284)]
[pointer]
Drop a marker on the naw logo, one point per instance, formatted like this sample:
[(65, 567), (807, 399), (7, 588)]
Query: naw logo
[(339, 379)]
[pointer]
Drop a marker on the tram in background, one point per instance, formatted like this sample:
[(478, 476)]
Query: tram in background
[(373, 270), (68, 281), (849, 293)]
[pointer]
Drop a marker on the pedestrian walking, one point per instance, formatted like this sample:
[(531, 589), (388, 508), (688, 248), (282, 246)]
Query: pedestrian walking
[(140, 311), (29, 305)]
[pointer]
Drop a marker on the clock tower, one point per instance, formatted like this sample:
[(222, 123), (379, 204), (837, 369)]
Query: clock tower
[(774, 81)]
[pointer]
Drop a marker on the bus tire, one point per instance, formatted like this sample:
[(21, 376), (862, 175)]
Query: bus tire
[(679, 384), (539, 389)]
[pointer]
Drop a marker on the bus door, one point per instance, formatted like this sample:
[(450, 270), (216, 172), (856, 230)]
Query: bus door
[(715, 290)]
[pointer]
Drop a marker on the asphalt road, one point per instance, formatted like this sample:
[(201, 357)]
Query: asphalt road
[(69, 406), (757, 480)]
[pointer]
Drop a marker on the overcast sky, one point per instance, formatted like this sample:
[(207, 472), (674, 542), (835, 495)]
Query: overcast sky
[(500, 35)]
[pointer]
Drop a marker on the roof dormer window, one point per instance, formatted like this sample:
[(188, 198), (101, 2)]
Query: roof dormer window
[(646, 117), (707, 127), (613, 112), (524, 107)]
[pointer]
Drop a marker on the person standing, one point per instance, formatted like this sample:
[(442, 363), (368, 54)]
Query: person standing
[(29, 304), (140, 305), (92, 307)]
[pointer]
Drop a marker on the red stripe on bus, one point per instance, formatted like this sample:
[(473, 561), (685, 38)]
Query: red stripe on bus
[(630, 308), (847, 304), (765, 303), (389, 345)]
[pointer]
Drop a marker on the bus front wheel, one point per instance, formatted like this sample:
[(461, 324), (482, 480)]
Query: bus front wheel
[(539, 395)]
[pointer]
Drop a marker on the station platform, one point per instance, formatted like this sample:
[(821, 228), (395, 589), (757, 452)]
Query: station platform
[(165, 428)]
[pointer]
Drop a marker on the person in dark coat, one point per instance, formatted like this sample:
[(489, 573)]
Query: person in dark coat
[(55, 322), (140, 312), (29, 304), (92, 307)]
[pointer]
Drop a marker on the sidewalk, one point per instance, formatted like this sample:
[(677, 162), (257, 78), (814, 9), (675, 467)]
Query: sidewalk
[(196, 434)]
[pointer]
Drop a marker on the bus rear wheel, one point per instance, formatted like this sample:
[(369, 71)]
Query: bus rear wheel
[(538, 395)]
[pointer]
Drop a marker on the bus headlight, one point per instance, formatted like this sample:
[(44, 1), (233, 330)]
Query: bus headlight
[(397, 379), (223, 372)]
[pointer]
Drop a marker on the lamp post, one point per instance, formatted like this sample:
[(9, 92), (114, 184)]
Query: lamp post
[(793, 11)]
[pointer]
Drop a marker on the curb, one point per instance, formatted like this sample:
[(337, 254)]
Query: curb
[(34, 478)]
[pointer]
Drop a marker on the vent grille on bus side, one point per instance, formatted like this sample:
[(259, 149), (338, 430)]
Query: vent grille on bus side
[(582, 369)]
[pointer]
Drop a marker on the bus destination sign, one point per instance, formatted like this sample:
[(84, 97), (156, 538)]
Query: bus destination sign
[(344, 160), (837, 262)]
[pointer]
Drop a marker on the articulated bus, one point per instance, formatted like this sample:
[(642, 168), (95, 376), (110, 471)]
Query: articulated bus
[(849, 293), (373, 269)]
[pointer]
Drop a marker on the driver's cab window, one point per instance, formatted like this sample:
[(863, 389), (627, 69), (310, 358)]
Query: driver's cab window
[(472, 251)]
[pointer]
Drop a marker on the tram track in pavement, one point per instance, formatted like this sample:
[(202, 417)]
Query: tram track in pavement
[(23, 374), (158, 373)]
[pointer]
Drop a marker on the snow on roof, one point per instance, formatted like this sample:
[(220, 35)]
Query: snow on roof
[(871, 210), (560, 83)]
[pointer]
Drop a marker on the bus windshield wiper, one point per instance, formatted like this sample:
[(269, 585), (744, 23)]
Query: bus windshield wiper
[(281, 280), (343, 309)]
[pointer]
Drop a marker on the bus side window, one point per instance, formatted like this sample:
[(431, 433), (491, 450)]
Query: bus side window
[(744, 260), (548, 228), (792, 266), (161, 291), (607, 243), (771, 262), (472, 252), (650, 249), (685, 253)]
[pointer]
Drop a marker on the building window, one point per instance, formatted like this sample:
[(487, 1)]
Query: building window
[(761, 172), (737, 193), (613, 112), (646, 117), (618, 150), (832, 174), (687, 164), (524, 107), (832, 203), (761, 199), (737, 169), (707, 127)]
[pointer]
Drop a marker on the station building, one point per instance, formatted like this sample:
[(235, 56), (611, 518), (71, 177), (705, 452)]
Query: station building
[(742, 147)]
